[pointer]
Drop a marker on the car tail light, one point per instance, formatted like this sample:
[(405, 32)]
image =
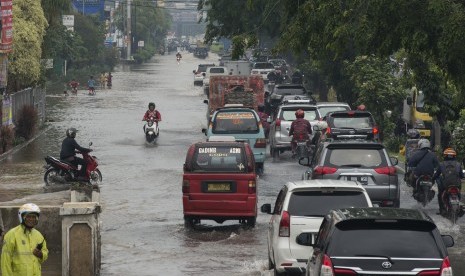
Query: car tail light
[(343, 271), (453, 190), (323, 170), (278, 124), (386, 203), (260, 143), (375, 130), (326, 267), (285, 225), (391, 170), (185, 186), (328, 130), (446, 269), (252, 187), (430, 273)]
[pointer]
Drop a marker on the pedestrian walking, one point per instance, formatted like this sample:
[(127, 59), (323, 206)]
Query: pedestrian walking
[(103, 80), (24, 248)]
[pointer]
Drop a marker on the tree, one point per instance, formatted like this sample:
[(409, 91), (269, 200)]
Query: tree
[(28, 31)]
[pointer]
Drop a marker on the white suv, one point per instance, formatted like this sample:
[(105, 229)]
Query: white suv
[(299, 210)]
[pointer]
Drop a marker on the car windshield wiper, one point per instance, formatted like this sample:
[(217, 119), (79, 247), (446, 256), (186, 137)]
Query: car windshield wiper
[(352, 165), (380, 256)]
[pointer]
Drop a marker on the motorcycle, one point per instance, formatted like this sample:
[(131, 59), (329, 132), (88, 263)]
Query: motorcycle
[(303, 149), (61, 172), (74, 90), (424, 192), (178, 59), (452, 205), (151, 131)]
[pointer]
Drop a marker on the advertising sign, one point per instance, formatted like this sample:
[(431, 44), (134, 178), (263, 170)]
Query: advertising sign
[(6, 33)]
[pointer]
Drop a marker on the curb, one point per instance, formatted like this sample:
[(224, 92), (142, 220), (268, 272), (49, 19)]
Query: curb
[(13, 150)]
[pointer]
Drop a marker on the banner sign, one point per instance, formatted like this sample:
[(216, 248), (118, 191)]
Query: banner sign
[(6, 33)]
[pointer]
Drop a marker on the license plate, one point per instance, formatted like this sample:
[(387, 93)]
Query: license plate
[(219, 187), (363, 178)]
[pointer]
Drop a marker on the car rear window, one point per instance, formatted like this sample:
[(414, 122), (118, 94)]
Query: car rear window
[(235, 123), (392, 239), (355, 122), (219, 158), (289, 114), (326, 109), (290, 91), (355, 158), (319, 203), (216, 70), (263, 65)]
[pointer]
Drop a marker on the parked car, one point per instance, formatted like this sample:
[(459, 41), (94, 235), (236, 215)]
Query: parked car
[(198, 74), (280, 141), (351, 124), (219, 182), (262, 69), (275, 97), (299, 209), (244, 124), (378, 241), (358, 160), (212, 71), (325, 107)]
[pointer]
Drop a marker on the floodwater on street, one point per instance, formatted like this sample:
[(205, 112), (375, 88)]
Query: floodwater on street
[(142, 222)]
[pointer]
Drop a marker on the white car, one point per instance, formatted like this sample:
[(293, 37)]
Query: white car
[(213, 71), (262, 69), (298, 212), (199, 73)]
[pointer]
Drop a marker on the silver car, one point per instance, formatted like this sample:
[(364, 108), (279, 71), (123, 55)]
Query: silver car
[(366, 162), (326, 107), (280, 140)]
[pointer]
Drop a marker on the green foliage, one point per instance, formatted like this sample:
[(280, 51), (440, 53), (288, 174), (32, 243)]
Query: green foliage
[(29, 29), (144, 54), (26, 123)]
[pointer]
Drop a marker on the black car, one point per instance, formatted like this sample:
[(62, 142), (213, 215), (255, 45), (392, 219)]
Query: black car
[(378, 241), (273, 99), (351, 124)]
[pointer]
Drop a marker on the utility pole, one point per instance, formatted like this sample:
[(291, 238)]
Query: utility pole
[(129, 35)]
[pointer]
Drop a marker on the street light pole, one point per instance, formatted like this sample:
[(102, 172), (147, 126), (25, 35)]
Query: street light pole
[(83, 1), (129, 35)]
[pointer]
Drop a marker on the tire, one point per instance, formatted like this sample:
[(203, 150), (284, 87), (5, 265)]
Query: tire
[(276, 273), (453, 217), (250, 222), (270, 263), (95, 177), (52, 176), (189, 222), (425, 197)]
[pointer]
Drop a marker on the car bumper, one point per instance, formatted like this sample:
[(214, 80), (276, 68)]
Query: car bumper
[(220, 208), (284, 262)]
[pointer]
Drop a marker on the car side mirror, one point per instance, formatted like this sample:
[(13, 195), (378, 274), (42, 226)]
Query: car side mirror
[(267, 94), (193, 71), (186, 168), (394, 160), (305, 161), (203, 74), (266, 208), (90, 144), (305, 239), (204, 130), (448, 240), (409, 100), (205, 101)]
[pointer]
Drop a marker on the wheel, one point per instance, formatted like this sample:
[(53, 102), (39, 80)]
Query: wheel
[(453, 217), (95, 177), (425, 197), (274, 152), (53, 176), (250, 222), (189, 222), (270, 263), (276, 273)]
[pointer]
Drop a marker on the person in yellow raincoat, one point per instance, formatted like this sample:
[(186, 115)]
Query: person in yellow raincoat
[(24, 248)]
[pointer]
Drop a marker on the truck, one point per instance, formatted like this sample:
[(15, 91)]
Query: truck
[(238, 67), (248, 91), (414, 114)]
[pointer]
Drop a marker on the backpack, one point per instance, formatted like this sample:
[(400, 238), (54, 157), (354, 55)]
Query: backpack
[(450, 174)]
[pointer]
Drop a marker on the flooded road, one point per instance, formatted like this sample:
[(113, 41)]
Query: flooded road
[(143, 228)]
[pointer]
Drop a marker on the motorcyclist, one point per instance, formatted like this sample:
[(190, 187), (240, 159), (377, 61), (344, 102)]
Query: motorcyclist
[(264, 119), (410, 147), (449, 160), (300, 129), (423, 162), (322, 126), (151, 112), (297, 77), (68, 152), (178, 55), (361, 107), (73, 84)]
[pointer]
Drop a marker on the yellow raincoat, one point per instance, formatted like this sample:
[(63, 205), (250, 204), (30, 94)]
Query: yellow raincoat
[(17, 258)]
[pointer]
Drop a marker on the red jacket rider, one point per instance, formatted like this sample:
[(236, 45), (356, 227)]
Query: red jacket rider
[(300, 129), (152, 113)]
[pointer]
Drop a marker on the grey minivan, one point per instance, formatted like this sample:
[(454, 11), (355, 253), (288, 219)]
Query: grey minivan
[(366, 162)]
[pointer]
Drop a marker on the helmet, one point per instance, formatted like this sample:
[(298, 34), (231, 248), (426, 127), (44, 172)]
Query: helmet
[(71, 132), (322, 125), (28, 208), (449, 152), (261, 108), (424, 143), (152, 104), (299, 113), (413, 133), (361, 107)]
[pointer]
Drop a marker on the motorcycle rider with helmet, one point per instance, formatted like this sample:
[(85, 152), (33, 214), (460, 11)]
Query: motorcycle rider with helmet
[(361, 107), (449, 160), (24, 248), (423, 162), (68, 152), (300, 130), (151, 112)]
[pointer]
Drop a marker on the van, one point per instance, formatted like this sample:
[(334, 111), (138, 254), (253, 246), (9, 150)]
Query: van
[(244, 124), (219, 183)]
